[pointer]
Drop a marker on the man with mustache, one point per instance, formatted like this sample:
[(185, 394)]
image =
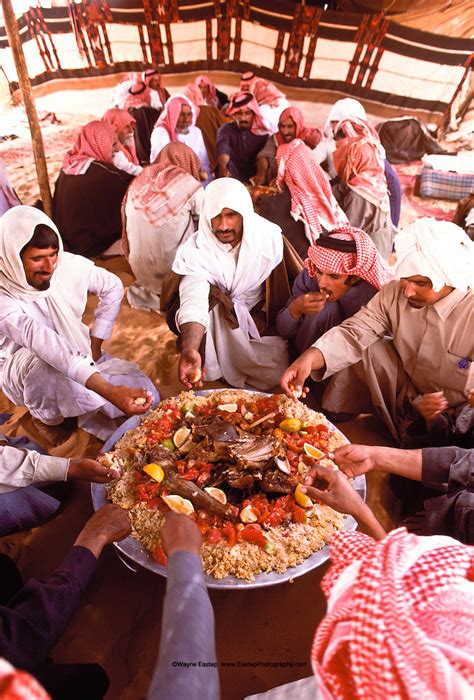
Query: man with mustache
[(50, 361), (223, 269), (417, 379), (343, 271), (239, 142)]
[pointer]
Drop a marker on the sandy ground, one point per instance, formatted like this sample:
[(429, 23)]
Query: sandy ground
[(119, 621)]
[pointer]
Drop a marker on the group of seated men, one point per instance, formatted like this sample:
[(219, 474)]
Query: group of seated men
[(368, 338)]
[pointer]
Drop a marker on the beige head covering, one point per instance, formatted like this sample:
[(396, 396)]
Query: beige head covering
[(17, 227), (439, 250)]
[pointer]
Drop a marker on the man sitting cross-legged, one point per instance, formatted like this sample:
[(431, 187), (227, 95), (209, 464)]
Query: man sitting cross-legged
[(224, 266), (48, 360), (418, 380)]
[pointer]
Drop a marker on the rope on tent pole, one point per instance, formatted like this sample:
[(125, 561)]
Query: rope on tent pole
[(30, 107)]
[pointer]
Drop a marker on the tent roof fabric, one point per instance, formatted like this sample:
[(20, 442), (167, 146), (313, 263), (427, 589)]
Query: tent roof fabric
[(367, 56)]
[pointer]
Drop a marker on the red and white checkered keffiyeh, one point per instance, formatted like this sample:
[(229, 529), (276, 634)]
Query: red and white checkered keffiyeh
[(162, 189), (121, 119), (366, 262), (399, 621), (259, 126), (312, 200), (19, 685), (359, 159), (311, 137), (94, 142)]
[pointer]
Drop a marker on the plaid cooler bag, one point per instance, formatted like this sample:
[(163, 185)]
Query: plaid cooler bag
[(445, 185)]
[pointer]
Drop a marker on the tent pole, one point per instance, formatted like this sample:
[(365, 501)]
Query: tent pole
[(30, 107)]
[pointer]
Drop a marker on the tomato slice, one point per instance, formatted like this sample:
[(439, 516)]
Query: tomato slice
[(214, 535), (251, 534), (230, 533), (159, 555)]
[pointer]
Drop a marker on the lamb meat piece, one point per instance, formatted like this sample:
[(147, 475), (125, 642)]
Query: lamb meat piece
[(198, 497), (160, 455), (215, 428), (275, 481), (253, 451)]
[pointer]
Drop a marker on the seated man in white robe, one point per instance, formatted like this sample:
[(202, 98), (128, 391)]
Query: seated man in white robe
[(231, 255), (177, 122), (418, 380), (49, 362)]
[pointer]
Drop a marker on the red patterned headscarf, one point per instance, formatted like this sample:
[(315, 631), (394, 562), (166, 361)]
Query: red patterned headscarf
[(359, 159), (162, 189), (170, 115), (311, 137), (211, 98), (399, 621), (121, 119), (266, 93), (19, 685), (312, 200), (138, 95), (348, 251), (247, 101), (193, 93), (94, 142)]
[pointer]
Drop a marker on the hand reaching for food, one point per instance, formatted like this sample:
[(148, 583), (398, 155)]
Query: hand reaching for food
[(191, 373)]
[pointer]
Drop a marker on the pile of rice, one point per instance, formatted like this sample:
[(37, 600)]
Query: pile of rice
[(292, 544)]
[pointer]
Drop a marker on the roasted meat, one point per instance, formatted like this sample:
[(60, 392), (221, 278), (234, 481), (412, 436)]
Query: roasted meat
[(252, 451), (275, 481)]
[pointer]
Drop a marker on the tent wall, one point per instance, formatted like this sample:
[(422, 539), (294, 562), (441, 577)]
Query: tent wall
[(365, 56)]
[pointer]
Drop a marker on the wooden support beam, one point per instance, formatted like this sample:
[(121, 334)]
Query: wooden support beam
[(30, 107)]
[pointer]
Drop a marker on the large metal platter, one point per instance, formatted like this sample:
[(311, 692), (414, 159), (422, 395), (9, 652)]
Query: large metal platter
[(131, 551)]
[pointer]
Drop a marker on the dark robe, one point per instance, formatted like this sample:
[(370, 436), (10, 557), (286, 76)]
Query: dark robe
[(86, 208), (407, 139), (145, 118), (242, 146), (276, 208)]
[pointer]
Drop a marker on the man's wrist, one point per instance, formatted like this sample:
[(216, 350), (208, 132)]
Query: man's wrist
[(294, 310)]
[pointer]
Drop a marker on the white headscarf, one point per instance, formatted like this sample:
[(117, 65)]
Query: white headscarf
[(439, 250), (17, 227), (261, 249), (344, 109)]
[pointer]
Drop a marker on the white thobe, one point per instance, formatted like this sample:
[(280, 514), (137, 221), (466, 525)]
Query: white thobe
[(20, 467), (160, 138)]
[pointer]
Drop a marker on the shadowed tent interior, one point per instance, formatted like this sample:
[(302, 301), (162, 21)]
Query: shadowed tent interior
[(388, 61)]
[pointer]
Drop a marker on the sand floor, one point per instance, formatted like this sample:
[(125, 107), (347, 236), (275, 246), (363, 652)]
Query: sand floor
[(118, 624)]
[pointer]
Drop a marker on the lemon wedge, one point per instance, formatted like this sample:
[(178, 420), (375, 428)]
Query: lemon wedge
[(217, 494), (302, 499), (313, 451), (290, 425), (229, 407), (248, 515), (155, 471), (180, 436), (178, 504)]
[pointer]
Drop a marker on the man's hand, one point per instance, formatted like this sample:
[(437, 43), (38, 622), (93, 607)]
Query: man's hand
[(430, 406), (354, 460), (96, 348), (308, 304), (190, 370), (294, 377), (334, 489), (132, 402), (180, 533), (90, 470), (470, 398), (129, 400), (109, 524)]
